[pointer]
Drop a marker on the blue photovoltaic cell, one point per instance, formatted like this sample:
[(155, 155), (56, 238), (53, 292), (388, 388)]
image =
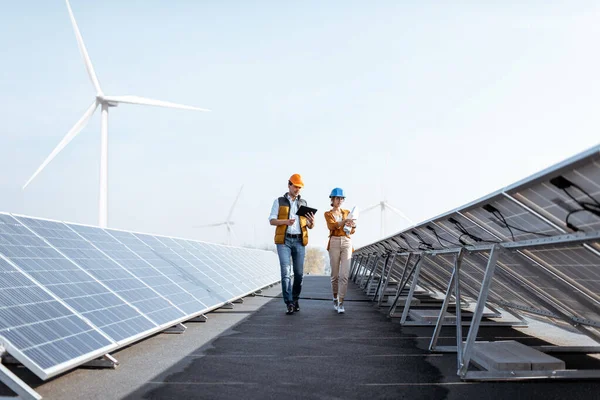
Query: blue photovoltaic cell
[(207, 291), (67, 290), (215, 255), (40, 327), (128, 278), (251, 270), (173, 282), (216, 270), (269, 262), (68, 282), (102, 268), (248, 277)]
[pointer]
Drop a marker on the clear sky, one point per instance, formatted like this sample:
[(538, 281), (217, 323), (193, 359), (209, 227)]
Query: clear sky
[(462, 98)]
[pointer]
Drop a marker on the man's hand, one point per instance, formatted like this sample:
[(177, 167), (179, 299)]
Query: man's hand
[(310, 217), (289, 222)]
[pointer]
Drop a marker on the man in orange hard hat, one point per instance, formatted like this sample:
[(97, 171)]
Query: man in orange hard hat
[(291, 238)]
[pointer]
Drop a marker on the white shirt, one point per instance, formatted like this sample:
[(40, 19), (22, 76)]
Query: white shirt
[(294, 229)]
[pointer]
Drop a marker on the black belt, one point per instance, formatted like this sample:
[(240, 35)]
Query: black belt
[(295, 236)]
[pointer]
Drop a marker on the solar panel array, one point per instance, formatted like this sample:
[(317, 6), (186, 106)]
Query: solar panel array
[(546, 234), (70, 293)]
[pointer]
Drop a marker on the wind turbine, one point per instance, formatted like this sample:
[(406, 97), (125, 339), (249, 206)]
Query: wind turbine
[(383, 204), (104, 102), (228, 222)]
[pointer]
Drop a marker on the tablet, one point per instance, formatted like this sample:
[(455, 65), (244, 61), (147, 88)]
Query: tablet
[(303, 210)]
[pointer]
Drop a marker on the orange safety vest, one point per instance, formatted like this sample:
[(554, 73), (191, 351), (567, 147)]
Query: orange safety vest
[(284, 213)]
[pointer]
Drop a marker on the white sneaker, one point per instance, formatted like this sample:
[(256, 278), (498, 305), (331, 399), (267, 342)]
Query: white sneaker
[(340, 308), (335, 304)]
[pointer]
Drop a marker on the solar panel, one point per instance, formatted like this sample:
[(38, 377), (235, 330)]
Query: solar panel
[(156, 310), (216, 270), (177, 287), (71, 283), (533, 246), (207, 291), (127, 272), (239, 270), (247, 267), (70, 293), (509, 221), (569, 193), (39, 330)]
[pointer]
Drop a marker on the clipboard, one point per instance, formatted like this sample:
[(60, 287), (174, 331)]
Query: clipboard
[(303, 210)]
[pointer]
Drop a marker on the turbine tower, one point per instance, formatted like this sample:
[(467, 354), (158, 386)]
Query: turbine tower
[(228, 222), (104, 102)]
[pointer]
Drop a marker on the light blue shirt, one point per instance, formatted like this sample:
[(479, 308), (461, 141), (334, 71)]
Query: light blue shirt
[(294, 229)]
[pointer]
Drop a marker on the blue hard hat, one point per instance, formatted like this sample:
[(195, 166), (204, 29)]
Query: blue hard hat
[(337, 192)]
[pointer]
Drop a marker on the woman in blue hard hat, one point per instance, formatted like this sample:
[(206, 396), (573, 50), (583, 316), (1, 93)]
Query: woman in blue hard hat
[(339, 247)]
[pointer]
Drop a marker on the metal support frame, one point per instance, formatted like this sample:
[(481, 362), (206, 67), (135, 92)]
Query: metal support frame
[(106, 361), (179, 328), (360, 266), (521, 246), (454, 278), (199, 318), (465, 358), (238, 301), (363, 270), (417, 271), (354, 265), (23, 390), (387, 280), (380, 283), (568, 349), (374, 272), (514, 375), (227, 306), (369, 272), (401, 284)]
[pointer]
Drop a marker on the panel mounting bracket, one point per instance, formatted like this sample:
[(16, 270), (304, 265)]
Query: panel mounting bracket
[(179, 328), (106, 361), (199, 318)]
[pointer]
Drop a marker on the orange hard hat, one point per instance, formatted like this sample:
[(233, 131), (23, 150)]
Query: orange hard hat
[(296, 179)]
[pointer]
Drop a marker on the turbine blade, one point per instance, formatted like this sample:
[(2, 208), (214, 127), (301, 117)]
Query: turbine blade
[(371, 207), (400, 213), (86, 58), (234, 203), (210, 225), (65, 141), (150, 102)]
